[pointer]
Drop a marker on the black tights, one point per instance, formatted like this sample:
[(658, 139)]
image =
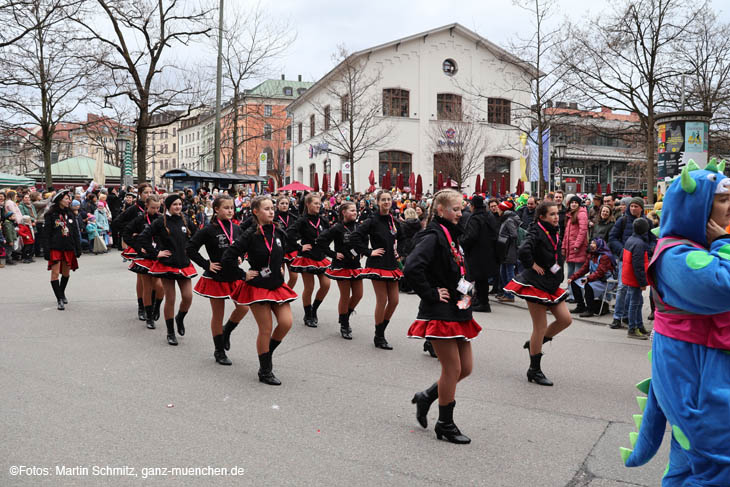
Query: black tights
[(579, 295)]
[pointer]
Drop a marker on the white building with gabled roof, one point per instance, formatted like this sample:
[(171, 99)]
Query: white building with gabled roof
[(425, 81)]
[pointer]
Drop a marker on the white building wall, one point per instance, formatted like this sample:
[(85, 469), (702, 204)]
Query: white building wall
[(416, 66)]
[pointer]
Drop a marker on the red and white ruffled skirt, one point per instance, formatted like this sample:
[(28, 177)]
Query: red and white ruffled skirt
[(246, 295), (67, 256), (310, 266), (210, 288), (167, 272), (343, 274), (443, 330), (530, 293), (141, 266), (381, 274), (290, 256), (130, 253)]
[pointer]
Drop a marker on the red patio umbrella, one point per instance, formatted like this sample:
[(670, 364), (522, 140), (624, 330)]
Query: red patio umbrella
[(577, 188), (419, 187), (484, 186), (494, 188), (598, 188), (608, 188), (295, 186), (440, 182), (271, 185), (412, 182), (371, 178), (503, 186), (399, 182), (338, 181), (325, 182), (448, 182), (386, 181), (478, 185), (316, 182)]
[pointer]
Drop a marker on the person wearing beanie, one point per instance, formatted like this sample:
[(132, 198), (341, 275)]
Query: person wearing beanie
[(166, 240), (633, 276), (62, 244)]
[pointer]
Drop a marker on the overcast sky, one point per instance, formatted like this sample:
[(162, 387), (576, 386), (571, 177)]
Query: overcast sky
[(323, 24)]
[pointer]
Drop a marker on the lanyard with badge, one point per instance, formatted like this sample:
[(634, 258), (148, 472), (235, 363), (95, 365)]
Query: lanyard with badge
[(464, 287), (346, 239), (285, 222), (266, 271), (316, 227), (556, 244)]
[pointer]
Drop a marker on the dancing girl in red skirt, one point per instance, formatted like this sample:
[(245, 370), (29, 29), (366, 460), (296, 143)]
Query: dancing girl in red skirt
[(345, 267), (62, 244), (284, 218), (166, 240), (264, 289), (435, 269), (218, 283)]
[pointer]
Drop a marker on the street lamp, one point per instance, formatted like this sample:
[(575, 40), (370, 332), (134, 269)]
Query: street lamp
[(560, 149)]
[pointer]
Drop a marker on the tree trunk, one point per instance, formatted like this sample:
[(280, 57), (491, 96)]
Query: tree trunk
[(47, 148), (650, 155), (234, 139), (142, 124)]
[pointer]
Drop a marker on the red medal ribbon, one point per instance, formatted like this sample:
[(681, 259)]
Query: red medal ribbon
[(455, 251), (391, 225), (555, 244), (286, 223), (316, 227), (147, 215), (230, 237), (269, 246)]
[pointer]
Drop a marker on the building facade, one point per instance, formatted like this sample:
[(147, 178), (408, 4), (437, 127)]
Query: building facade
[(162, 142), (426, 84)]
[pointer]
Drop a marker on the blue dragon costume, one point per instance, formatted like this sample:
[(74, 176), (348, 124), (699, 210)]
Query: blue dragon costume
[(690, 355)]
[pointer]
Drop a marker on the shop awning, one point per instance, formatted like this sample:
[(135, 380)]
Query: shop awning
[(13, 180), (216, 177)]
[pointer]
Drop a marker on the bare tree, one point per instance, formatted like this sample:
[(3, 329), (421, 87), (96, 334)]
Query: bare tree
[(13, 18), (134, 39), (359, 128), (621, 59), (459, 146), (252, 41), (45, 75)]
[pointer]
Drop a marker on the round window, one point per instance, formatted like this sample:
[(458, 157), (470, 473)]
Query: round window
[(449, 67)]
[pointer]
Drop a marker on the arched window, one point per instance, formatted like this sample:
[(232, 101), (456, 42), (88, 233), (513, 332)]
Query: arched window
[(448, 106), (395, 162), (395, 102), (494, 167)]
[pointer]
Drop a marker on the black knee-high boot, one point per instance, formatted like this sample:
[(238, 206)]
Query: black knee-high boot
[(526, 346), (273, 345), (227, 330), (140, 310), (379, 339), (220, 353), (534, 373), (171, 340), (180, 320), (445, 427), (315, 307), (64, 283), (266, 373), (423, 401), (345, 329), (308, 319), (157, 303), (57, 292), (149, 311)]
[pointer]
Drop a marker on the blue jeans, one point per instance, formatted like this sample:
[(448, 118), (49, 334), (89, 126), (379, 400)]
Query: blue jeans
[(507, 273), (620, 308), (572, 269), (635, 302)]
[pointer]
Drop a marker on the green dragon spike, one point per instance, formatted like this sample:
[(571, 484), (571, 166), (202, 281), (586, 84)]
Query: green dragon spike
[(637, 420), (712, 165), (692, 166), (642, 402), (643, 386), (666, 471), (721, 167), (649, 355), (680, 437), (633, 436), (625, 453), (688, 184)]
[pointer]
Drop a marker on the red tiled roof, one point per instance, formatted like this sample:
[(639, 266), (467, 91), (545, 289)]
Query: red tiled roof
[(606, 115)]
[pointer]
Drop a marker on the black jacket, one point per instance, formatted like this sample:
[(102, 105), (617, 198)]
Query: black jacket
[(340, 233), (383, 232), (121, 222), (431, 265), (306, 229), (216, 242), (537, 249), (135, 228), (527, 216), (171, 232), (252, 242), (410, 228), (61, 232), (479, 242)]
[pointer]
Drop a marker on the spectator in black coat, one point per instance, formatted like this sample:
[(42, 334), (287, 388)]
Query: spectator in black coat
[(527, 213), (479, 242)]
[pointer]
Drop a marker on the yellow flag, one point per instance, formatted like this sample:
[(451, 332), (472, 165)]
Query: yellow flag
[(524, 154)]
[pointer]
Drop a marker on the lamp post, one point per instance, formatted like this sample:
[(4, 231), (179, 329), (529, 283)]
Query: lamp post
[(560, 148)]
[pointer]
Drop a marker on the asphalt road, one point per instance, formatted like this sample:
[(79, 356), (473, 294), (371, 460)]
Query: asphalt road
[(91, 388)]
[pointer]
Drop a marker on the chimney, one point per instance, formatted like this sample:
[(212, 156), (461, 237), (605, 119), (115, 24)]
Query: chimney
[(299, 77), (283, 77), (605, 110)]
